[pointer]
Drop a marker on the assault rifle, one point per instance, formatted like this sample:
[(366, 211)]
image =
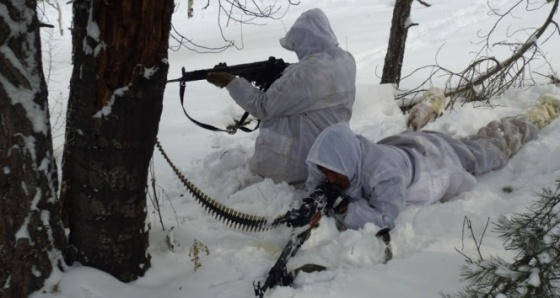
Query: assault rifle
[(261, 74)]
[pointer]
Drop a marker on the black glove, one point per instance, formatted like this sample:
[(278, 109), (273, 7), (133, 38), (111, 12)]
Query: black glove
[(335, 200)]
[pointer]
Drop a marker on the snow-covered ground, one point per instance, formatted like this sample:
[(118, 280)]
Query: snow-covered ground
[(425, 240)]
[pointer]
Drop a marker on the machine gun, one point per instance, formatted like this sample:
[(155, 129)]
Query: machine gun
[(304, 220), (261, 74), (307, 218), (323, 200)]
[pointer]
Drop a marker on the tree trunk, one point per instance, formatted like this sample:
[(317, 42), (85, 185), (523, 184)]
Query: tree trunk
[(114, 108), (31, 230), (397, 41)]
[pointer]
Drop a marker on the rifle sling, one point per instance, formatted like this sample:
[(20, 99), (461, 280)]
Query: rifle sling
[(233, 130)]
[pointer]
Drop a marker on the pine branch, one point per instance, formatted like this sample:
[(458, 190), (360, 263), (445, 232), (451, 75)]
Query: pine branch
[(535, 270)]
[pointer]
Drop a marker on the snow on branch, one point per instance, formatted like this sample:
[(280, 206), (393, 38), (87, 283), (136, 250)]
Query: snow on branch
[(535, 269), (486, 76)]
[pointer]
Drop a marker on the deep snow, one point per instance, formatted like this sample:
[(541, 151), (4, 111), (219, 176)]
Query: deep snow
[(425, 240)]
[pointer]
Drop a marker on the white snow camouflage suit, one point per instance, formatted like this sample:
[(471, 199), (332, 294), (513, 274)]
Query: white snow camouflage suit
[(412, 168), (312, 94)]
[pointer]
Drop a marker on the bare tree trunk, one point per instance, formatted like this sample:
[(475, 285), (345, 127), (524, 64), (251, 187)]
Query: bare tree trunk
[(397, 41), (114, 108), (31, 231)]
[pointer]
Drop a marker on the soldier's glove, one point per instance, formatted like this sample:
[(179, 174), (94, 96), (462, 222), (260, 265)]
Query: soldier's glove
[(335, 200), (219, 79)]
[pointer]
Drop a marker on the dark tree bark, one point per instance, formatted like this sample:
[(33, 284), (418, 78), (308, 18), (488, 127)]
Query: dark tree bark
[(114, 108), (397, 41), (31, 230)]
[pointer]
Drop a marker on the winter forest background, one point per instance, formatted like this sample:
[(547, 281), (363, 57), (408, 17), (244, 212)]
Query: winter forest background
[(167, 245)]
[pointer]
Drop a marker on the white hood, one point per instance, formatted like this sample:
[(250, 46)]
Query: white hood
[(311, 33), (344, 156)]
